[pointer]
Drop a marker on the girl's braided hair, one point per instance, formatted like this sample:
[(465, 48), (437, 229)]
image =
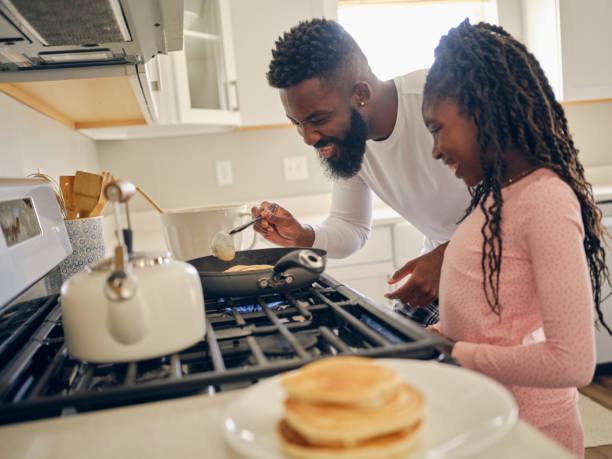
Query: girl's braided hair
[(500, 84)]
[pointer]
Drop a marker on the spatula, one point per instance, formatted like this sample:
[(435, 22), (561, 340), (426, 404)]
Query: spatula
[(87, 189), (67, 187)]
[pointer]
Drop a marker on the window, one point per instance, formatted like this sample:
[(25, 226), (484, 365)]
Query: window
[(400, 36)]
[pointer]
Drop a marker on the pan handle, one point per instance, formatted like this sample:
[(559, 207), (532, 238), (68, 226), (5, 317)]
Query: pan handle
[(301, 258)]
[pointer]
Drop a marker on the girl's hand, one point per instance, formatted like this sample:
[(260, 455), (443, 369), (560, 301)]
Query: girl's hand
[(422, 287)]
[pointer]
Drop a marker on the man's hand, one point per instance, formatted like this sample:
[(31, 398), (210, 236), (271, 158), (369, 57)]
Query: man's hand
[(279, 226), (422, 287)]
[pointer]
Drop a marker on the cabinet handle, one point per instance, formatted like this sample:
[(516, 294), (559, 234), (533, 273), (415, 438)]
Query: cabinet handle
[(233, 90)]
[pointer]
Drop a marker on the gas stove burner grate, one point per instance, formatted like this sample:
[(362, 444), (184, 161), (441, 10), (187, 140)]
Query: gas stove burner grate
[(278, 345), (247, 339)]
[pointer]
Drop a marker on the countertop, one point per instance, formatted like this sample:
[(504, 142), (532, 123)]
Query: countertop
[(148, 232), (189, 427)]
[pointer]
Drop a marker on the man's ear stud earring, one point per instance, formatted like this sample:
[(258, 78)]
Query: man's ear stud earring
[(362, 104)]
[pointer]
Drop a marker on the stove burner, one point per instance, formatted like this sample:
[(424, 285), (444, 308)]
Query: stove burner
[(273, 345), (247, 308)]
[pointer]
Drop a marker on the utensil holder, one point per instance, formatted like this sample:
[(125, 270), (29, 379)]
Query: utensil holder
[(87, 240)]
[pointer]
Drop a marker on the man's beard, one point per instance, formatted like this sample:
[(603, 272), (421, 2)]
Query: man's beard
[(350, 150)]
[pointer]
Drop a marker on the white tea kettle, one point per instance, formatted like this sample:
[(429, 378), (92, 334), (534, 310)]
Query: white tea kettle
[(134, 307), (160, 310)]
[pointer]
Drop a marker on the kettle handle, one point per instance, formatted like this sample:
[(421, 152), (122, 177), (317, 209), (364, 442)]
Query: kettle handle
[(128, 322)]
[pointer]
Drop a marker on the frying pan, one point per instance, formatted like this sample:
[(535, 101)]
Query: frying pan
[(293, 268)]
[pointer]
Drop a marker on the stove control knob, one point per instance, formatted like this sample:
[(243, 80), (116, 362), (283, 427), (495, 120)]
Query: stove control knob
[(289, 279), (262, 283)]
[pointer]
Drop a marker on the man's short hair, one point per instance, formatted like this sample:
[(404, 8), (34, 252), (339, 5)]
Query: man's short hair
[(314, 48)]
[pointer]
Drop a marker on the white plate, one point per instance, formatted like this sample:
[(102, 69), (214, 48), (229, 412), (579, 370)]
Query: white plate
[(466, 412)]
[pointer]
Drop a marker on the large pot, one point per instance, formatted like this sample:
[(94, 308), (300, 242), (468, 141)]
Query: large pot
[(293, 268), (149, 307), (189, 231)]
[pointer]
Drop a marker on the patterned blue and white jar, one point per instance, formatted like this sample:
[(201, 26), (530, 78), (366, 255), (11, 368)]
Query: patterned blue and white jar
[(88, 246)]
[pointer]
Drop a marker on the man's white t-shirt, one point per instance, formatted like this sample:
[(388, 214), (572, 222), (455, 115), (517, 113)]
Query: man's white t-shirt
[(404, 175)]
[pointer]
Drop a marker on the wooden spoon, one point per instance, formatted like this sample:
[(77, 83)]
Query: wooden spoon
[(102, 200), (148, 198), (87, 189), (67, 187)]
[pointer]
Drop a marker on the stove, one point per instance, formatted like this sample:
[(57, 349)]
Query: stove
[(247, 338)]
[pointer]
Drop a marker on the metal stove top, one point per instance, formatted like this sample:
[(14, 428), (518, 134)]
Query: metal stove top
[(246, 339)]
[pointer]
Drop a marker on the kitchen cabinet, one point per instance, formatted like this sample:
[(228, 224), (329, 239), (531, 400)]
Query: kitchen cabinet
[(200, 80), (253, 41), (391, 244), (368, 269), (86, 103), (572, 42), (219, 76)]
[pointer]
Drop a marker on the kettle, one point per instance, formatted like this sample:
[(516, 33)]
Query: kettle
[(132, 306)]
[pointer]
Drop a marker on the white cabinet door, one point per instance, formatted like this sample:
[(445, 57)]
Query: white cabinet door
[(219, 78), (203, 75), (368, 270), (369, 279), (571, 39), (377, 249), (407, 243), (256, 25)]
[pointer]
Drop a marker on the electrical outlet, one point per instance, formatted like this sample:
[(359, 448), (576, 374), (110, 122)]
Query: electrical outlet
[(224, 173), (296, 168)]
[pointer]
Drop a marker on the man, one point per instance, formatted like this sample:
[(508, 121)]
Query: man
[(370, 136)]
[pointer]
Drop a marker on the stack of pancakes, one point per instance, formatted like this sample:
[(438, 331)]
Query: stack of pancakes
[(349, 407)]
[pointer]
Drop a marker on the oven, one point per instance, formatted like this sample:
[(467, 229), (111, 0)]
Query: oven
[(247, 338)]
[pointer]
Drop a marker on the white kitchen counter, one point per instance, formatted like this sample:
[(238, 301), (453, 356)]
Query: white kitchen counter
[(148, 232), (189, 427)]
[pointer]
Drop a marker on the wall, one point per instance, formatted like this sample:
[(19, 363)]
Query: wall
[(181, 171), (589, 124), (31, 141), (509, 13)]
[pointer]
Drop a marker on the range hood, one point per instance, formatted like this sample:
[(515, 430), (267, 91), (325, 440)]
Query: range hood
[(45, 40), (59, 39)]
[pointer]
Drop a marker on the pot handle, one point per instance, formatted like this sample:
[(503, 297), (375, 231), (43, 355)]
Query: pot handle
[(301, 258)]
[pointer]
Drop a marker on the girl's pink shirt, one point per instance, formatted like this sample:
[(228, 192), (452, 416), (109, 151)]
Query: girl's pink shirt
[(541, 347)]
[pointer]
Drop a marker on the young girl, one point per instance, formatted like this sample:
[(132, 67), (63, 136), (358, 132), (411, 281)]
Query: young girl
[(524, 268)]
